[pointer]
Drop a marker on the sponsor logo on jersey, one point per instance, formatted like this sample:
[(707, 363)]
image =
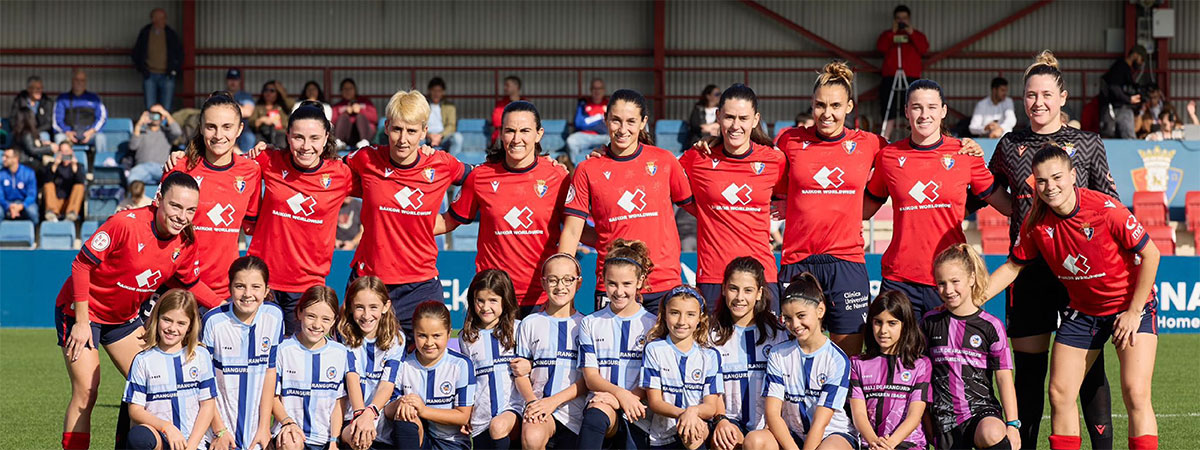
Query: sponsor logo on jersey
[(805, 144), (1087, 230), (495, 186), (409, 198), (284, 174), (175, 254), (632, 201), (902, 160), (221, 215), (1109, 204), (519, 217), (1076, 264), (758, 167), (148, 278), (947, 161), (100, 241), (445, 388), (1157, 173), (924, 192), (326, 181), (849, 146), (1021, 149), (715, 161), (330, 372), (696, 374), (906, 376), (737, 194), (607, 174), (194, 372), (570, 194), (651, 168), (829, 178), (429, 173), (540, 188), (301, 203), (239, 183), (976, 341), (131, 215), (1135, 227)]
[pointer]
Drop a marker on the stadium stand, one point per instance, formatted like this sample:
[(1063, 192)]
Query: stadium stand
[(671, 135), (782, 125), (555, 138), (88, 228), (1150, 208), (57, 236), (16, 233)]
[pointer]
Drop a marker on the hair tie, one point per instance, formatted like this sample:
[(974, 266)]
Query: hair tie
[(624, 259), (802, 296), (686, 290)]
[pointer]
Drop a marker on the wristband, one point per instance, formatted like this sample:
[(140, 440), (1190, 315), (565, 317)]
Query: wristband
[(374, 409), (357, 412), (222, 432), (718, 418), (1014, 423)]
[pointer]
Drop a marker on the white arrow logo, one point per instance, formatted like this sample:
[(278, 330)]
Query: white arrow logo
[(607, 174), (632, 201), (519, 218), (148, 278), (1076, 264), (924, 192), (387, 172), (495, 185), (141, 246), (221, 215), (902, 160), (410, 198), (301, 203), (715, 161), (737, 195), (805, 145), (828, 178)]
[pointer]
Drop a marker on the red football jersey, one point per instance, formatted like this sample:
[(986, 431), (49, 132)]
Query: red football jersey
[(228, 195), (733, 206), (520, 219), (129, 262), (928, 186), (295, 230), (824, 185), (631, 198), (1092, 251), (399, 211)]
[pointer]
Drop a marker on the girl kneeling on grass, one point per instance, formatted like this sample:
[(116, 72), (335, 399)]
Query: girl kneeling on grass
[(369, 329), (311, 388), (437, 386), (489, 338)]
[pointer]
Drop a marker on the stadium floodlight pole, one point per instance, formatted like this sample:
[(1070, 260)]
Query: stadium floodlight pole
[(899, 84)]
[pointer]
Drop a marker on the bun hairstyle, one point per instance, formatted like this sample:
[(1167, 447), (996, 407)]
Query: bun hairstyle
[(1045, 64), (495, 153), (764, 319), (498, 282), (973, 263), (739, 91), (910, 345), (1047, 153), (179, 180), (386, 332), (313, 110), (629, 253), (196, 146), (805, 288), (635, 97), (836, 73)]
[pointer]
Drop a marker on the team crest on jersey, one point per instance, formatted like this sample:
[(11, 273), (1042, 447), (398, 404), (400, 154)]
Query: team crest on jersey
[(641, 342), (821, 379), (849, 146), (330, 372), (265, 344), (540, 188), (326, 180), (199, 180), (194, 373), (239, 183), (947, 161), (976, 341), (1050, 232), (758, 167), (445, 388), (1069, 148), (905, 376), (1087, 230), (766, 350), (696, 374), (495, 185), (902, 159), (175, 254), (429, 173), (651, 168)]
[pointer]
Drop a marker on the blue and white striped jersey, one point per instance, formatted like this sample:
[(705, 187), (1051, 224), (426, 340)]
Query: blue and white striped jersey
[(744, 367), (805, 382), (309, 382), (684, 378), (614, 345), (242, 354), (551, 344), (449, 383), (170, 387), (492, 377), (374, 366)]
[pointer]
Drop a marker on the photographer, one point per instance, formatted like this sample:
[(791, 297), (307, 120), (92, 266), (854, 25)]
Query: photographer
[(151, 144), (912, 45), (1119, 95), (63, 193)]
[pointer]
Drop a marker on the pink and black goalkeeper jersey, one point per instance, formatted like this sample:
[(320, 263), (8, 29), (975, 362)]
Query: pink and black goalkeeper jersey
[(889, 388), (965, 352)]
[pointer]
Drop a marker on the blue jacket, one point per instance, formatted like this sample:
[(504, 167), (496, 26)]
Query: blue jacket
[(79, 113), (17, 187), (585, 110)]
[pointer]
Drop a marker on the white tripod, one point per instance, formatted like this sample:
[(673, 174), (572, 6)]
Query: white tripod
[(899, 84)]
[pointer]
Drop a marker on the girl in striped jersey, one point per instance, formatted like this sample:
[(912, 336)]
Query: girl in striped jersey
[(243, 336), (611, 341), (310, 386), (370, 331), (171, 388), (681, 373), (547, 374), (808, 380), (889, 381), (437, 386), (744, 331), (488, 337)]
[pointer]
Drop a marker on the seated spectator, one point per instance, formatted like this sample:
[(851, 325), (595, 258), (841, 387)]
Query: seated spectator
[(590, 129), (703, 121), (349, 224), (158, 55), (1119, 95), (443, 119), (312, 91), (79, 115), (18, 190), (63, 193), (32, 119), (1150, 111), (233, 84), (1166, 128), (354, 118), (151, 144), (135, 197), (271, 114), (805, 120), (512, 93), (994, 115)]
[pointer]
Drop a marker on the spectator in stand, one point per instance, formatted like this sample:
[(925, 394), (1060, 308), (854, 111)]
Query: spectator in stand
[(443, 119), (1118, 95), (805, 120), (902, 48), (994, 115), (271, 114), (313, 92), (590, 129), (703, 121), (158, 55), (32, 119), (354, 117), (234, 84), (349, 225), (63, 193), (1151, 110), (79, 115), (1166, 128), (18, 189), (135, 197), (512, 93), (151, 144)]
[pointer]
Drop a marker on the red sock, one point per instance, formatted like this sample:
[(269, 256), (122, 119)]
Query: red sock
[(1144, 442), (1060, 442), (76, 441)]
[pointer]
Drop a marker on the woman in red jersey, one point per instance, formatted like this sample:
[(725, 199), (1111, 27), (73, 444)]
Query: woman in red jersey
[(1092, 244), (629, 193), (119, 267), (732, 184)]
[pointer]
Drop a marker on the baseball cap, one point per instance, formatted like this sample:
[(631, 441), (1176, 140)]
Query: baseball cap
[(233, 73)]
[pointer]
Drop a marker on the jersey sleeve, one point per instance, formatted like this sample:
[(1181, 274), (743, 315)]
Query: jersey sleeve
[(466, 204), (391, 367), (999, 358), (206, 333), (982, 181), (465, 385), (522, 348), (255, 202), (1024, 250), (1125, 229), (111, 235), (651, 371), (187, 268), (578, 201), (856, 379), (921, 391), (681, 190), (837, 385), (713, 382), (996, 164), (208, 382), (587, 346), (774, 386), (135, 387), (877, 184), (458, 170)]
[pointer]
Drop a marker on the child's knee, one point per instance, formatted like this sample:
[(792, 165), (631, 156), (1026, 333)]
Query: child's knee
[(142, 437)]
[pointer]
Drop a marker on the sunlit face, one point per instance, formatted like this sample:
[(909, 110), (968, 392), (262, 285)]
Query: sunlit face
[(368, 309), (954, 283), (831, 104), (173, 327), (742, 293), (682, 316), (247, 290), (625, 121), (1043, 101), (176, 208), (886, 328), (622, 284), (488, 306), (520, 134), (404, 138), (1054, 181), (220, 128), (925, 111), (802, 319), (316, 321), (307, 138), (430, 336), (561, 281), (738, 118)]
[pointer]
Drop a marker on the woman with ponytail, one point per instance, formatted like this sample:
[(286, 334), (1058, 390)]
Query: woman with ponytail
[(1093, 245)]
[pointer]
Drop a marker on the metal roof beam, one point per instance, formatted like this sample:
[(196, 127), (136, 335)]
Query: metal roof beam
[(958, 47), (861, 63)]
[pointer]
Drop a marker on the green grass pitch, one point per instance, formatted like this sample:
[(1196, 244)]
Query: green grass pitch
[(34, 392)]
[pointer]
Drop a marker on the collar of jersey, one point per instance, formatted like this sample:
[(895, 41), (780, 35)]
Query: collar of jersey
[(504, 164), (217, 168), (403, 166), (233, 315), (609, 152), (695, 346), (1078, 201), (830, 139), (292, 161), (441, 359), (932, 146), (154, 227), (749, 151), (175, 353)]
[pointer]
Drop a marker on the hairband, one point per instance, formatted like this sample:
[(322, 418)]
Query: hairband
[(801, 296), (624, 259), (578, 268), (684, 289)]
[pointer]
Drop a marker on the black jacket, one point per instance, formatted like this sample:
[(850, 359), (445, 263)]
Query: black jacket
[(1115, 82), (43, 111), (174, 51)]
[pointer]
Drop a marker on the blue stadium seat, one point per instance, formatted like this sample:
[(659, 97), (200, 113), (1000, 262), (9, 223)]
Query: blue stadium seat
[(782, 125), (118, 130), (107, 169), (475, 134), (474, 158), (57, 236), (88, 229), (151, 189), (465, 237), (16, 233), (380, 132), (671, 135), (555, 139), (102, 201)]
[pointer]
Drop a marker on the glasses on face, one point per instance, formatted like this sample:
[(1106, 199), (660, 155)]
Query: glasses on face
[(555, 281)]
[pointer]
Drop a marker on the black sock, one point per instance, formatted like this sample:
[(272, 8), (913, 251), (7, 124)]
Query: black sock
[(405, 434), (501, 444), (122, 435), (591, 432), (1030, 382), (142, 438), (1004, 444), (1096, 398)]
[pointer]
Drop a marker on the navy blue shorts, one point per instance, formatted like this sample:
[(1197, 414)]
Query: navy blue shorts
[(714, 294), (405, 298), (287, 302), (924, 298), (148, 305), (649, 300), (1036, 301), (1080, 330), (101, 334), (963, 434), (847, 290)]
